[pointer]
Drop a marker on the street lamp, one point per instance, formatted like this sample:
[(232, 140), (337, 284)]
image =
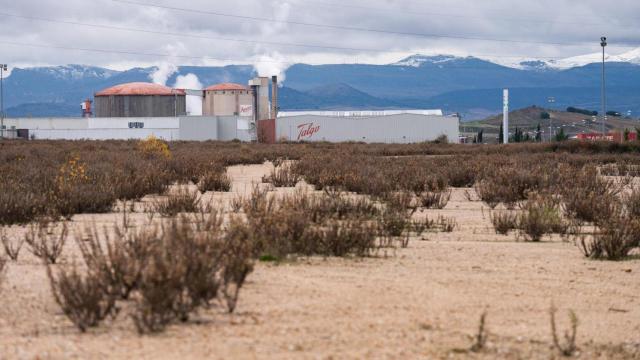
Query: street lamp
[(603, 43), (3, 68)]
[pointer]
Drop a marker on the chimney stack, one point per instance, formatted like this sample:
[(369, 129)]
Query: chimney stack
[(274, 97)]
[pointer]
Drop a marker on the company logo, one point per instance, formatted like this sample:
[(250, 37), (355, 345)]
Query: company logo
[(307, 131), (136, 125), (246, 110)]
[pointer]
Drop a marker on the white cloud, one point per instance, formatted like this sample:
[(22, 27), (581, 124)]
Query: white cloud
[(541, 20)]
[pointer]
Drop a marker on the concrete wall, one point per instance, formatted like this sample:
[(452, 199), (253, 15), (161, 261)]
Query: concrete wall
[(234, 127), (140, 106), (167, 128), (199, 128), (226, 103), (402, 128)]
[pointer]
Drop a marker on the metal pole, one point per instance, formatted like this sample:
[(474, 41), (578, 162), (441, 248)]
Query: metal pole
[(603, 43), (505, 117), (2, 68)]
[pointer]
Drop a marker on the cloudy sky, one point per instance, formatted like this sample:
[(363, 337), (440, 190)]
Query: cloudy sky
[(271, 33)]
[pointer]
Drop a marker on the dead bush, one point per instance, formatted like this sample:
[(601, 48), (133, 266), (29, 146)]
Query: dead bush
[(446, 224), (214, 180), (589, 197), (181, 201), (44, 242), (342, 238), (435, 200), (540, 216), (569, 347), (11, 247), (83, 298), (282, 176), (632, 201), (237, 260), (504, 221), (614, 239), (480, 340)]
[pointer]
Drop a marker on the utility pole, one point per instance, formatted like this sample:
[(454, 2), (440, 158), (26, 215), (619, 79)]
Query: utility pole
[(551, 100), (3, 68), (505, 117), (603, 43)]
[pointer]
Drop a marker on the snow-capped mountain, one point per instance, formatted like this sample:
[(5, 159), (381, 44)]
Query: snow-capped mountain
[(632, 57), (419, 60), (75, 72)]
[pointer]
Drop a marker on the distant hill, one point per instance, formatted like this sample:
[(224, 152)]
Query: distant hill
[(527, 119), (466, 85)]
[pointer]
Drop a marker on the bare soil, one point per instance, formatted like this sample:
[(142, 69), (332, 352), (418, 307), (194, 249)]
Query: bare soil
[(421, 302)]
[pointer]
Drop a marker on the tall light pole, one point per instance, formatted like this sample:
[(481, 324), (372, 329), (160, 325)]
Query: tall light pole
[(3, 68), (603, 43), (551, 100)]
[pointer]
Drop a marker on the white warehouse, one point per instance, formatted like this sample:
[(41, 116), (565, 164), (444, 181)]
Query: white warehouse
[(402, 126)]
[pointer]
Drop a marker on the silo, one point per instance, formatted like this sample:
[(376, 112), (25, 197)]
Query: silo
[(228, 99), (140, 100)]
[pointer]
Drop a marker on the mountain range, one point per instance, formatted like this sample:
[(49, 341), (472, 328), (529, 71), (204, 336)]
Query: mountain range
[(467, 85)]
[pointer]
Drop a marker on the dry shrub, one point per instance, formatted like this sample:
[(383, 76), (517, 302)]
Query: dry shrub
[(504, 221), (342, 238), (154, 147), (44, 242), (540, 216), (82, 297), (568, 348), (589, 197), (214, 180), (632, 202), (118, 258), (237, 262), (11, 248), (614, 239), (181, 201), (510, 185), (446, 224), (435, 200), (480, 340), (282, 176)]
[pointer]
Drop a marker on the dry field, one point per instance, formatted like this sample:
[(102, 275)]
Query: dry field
[(351, 251)]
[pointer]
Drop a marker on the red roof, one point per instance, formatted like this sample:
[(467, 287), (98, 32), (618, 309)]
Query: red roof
[(227, 87), (139, 88)]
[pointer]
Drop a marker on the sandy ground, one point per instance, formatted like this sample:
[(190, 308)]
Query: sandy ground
[(421, 302)]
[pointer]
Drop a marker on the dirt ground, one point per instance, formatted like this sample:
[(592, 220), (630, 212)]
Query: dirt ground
[(421, 302)]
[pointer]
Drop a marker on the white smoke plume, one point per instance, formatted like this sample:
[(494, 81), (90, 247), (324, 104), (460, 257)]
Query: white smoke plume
[(272, 64), (163, 73), (191, 82)]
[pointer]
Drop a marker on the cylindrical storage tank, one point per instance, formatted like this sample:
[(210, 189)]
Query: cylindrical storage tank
[(228, 99), (140, 100)]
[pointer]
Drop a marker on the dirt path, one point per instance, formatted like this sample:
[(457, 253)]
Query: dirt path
[(421, 302)]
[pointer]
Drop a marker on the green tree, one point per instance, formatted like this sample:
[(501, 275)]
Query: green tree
[(626, 134), (501, 135), (480, 136), (545, 115), (561, 136), (538, 134)]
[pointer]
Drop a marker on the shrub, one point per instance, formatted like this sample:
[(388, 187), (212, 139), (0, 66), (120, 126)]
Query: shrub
[(615, 237), (282, 176), (153, 146), (182, 201), (44, 243), (540, 216), (632, 201), (214, 181), (504, 221), (569, 347), (84, 299), (11, 248), (435, 200), (342, 238)]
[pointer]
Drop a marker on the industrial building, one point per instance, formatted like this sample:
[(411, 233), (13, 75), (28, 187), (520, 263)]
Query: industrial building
[(227, 99), (140, 100), (397, 126), (230, 111)]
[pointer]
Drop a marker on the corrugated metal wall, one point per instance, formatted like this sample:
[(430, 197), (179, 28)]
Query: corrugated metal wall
[(403, 128), (140, 106)]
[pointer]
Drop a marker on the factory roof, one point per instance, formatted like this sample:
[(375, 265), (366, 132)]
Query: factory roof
[(226, 87), (360, 113), (139, 88)]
